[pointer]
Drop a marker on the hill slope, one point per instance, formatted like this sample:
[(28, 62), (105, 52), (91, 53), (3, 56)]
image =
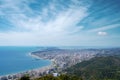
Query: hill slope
[(98, 68)]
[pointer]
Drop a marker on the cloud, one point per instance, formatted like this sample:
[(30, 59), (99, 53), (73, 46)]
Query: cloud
[(49, 20), (54, 22), (101, 33), (47, 24), (105, 28)]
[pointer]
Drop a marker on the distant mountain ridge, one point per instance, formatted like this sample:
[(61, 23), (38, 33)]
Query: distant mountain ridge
[(110, 52), (98, 52)]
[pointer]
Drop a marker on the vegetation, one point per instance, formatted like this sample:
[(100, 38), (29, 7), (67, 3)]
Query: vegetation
[(25, 77), (99, 68), (51, 77)]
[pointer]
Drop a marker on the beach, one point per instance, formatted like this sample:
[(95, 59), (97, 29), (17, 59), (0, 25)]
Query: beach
[(60, 60), (35, 72)]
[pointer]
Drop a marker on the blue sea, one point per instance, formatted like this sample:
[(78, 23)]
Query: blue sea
[(16, 59)]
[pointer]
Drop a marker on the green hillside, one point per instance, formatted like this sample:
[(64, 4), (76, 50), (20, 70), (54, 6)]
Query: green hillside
[(99, 68), (51, 77)]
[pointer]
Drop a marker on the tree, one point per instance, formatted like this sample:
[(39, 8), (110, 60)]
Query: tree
[(25, 77)]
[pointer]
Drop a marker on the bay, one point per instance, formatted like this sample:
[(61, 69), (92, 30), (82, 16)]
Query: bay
[(17, 59)]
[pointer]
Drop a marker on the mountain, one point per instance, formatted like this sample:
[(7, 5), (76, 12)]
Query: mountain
[(98, 68)]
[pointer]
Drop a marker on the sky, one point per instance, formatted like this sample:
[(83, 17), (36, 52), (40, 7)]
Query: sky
[(59, 22)]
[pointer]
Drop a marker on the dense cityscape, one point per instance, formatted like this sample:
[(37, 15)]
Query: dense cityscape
[(61, 59), (59, 39)]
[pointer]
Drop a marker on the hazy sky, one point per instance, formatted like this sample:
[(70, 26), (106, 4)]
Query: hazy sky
[(60, 22)]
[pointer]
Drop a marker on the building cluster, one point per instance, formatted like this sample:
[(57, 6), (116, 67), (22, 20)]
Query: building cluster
[(61, 59), (32, 73)]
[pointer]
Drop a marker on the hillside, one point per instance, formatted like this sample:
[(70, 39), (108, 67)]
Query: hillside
[(98, 68)]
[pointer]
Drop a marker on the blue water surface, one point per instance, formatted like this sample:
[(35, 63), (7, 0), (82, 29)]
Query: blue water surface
[(16, 59)]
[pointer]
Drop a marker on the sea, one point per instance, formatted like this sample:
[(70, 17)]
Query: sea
[(17, 59)]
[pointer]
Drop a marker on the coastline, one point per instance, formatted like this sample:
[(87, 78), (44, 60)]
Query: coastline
[(31, 71), (37, 57)]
